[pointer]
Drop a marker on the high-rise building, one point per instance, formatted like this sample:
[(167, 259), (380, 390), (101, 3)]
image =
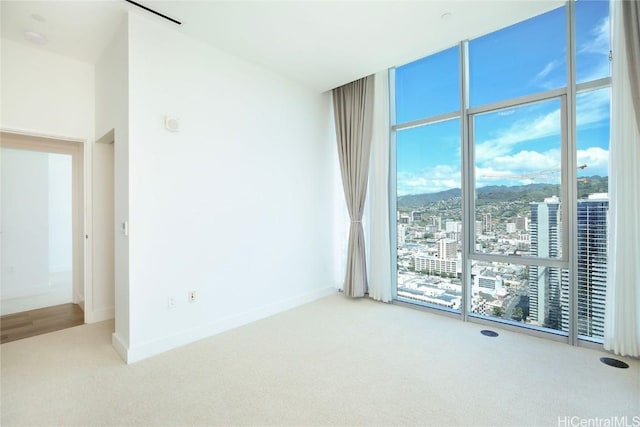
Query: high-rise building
[(549, 286), (544, 281), (432, 264), (401, 234), (520, 222), (435, 221), (447, 249), (592, 264), (454, 230), (486, 223), (478, 227)]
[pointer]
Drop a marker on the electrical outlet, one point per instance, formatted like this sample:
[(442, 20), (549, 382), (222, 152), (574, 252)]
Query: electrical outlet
[(171, 302), (192, 296)]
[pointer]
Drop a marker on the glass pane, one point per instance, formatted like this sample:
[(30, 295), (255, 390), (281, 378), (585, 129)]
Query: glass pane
[(522, 59), (517, 181), (429, 214), (428, 87), (592, 113), (592, 40), (593, 133), (533, 295)]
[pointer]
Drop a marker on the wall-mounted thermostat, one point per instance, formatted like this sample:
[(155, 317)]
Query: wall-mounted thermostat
[(171, 123)]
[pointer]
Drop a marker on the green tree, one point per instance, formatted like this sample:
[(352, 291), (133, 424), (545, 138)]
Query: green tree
[(498, 311), (518, 314)]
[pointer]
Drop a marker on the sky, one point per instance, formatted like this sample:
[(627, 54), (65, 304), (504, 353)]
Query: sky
[(513, 146)]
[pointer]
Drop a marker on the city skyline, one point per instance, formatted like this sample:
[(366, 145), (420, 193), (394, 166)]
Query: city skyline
[(429, 265)]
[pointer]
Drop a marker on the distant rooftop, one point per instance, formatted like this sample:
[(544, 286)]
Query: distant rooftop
[(598, 196), (552, 199)]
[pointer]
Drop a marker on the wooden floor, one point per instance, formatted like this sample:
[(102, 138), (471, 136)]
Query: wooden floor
[(41, 321)]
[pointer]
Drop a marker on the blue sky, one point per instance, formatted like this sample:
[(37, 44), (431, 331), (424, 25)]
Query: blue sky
[(513, 146)]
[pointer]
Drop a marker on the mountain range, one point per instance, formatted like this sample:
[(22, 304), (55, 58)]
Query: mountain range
[(505, 193)]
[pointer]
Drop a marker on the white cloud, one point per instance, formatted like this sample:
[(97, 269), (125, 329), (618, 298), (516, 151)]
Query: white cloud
[(524, 167), (597, 45), (521, 131), (547, 69), (528, 161), (596, 159), (430, 180), (547, 79), (601, 70), (599, 42), (504, 113), (592, 107)]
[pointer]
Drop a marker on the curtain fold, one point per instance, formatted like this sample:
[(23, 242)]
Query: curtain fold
[(631, 29), (380, 256), (353, 112), (622, 310)]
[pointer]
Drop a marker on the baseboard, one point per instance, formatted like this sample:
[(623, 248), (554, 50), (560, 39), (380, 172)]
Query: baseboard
[(78, 299), (93, 316), (25, 293), (155, 347), (119, 346)]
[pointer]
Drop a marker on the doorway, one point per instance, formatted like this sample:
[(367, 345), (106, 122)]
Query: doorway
[(42, 207)]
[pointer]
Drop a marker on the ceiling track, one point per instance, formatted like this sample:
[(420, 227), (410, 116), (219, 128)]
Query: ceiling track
[(155, 12)]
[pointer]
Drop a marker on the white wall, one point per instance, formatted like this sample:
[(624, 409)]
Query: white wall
[(103, 235), (60, 213), (45, 93), (37, 229), (25, 223), (110, 196), (235, 206)]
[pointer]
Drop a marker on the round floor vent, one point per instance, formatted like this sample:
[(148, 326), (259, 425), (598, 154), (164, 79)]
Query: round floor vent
[(614, 362), (488, 333)]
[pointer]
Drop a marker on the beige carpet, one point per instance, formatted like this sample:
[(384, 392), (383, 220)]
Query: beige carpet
[(332, 362)]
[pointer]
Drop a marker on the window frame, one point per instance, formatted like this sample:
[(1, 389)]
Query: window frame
[(563, 260), (568, 194)]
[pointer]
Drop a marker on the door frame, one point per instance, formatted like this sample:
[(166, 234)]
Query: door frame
[(80, 151)]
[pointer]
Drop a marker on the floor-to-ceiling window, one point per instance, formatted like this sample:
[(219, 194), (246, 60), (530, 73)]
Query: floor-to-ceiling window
[(501, 166)]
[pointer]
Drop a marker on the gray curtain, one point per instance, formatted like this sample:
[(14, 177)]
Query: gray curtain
[(631, 18), (353, 110)]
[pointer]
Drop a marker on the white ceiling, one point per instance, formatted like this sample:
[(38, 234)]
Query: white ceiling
[(322, 44)]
